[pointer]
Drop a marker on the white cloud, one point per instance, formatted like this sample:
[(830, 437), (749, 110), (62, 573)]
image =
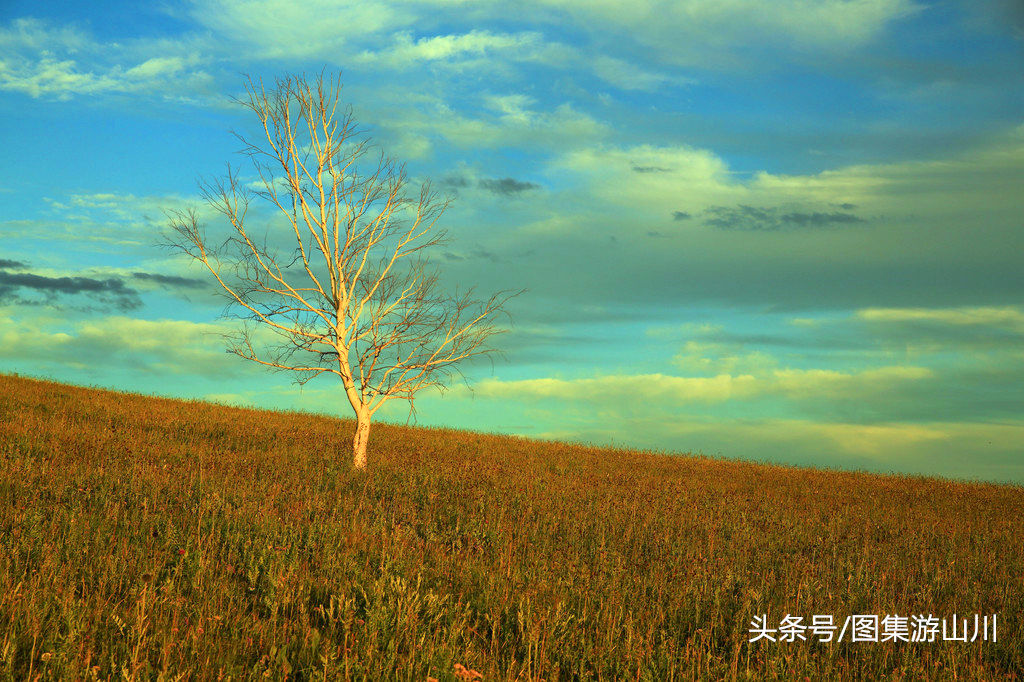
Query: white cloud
[(717, 358), (1007, 316), (629, 76), (162, 346), (650, 389), (689, 32), (506, 120), (645, 387), (711, 31), (277, 29), (826, 384), (42, 60), (478, 48), (651, 178), (100, 219), (32, 34), (877, 439)]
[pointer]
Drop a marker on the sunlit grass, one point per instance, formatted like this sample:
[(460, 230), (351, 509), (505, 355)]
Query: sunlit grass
[(146, 537)]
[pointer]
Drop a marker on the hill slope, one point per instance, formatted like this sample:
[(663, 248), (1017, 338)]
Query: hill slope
[(146, 535)]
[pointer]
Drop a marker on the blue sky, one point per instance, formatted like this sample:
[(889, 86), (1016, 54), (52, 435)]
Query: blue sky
[(788, 231)]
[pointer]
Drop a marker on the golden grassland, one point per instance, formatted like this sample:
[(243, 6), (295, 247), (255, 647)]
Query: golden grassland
[(161, 539)]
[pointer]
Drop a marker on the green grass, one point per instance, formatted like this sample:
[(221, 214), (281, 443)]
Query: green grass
[(152, 539)]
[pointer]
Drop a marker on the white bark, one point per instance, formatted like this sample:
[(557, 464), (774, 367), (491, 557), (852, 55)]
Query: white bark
[(360, 439)]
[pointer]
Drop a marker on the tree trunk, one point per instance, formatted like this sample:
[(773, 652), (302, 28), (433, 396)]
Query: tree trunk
[(362, 436)]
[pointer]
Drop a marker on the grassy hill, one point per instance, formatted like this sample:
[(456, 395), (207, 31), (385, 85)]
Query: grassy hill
[(147, 538)]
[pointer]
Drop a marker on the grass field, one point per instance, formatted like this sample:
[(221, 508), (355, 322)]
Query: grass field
[(146, 538)]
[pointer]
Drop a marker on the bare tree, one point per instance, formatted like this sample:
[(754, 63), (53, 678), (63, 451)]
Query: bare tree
[(352, 293)]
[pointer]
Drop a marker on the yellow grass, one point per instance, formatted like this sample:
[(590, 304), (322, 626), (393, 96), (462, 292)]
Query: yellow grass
[(150, 538)]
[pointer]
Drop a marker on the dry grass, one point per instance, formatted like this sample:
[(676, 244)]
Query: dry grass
[(151, 538)]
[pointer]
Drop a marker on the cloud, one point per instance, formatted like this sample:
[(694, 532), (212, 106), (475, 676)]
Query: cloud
[(98, 220), (467, 178), (476, 253), (652, 387), (455, 181), (171, 281), (476, 49), (627, 75), (281, 29), (701, 33), (110, 287), (983, 335), (1007, 316), (689, 33), (971, 186), (643, 179), (681, 215), (61, 62), (703, 357), (175, 347), (436, 34), (651, 169), (416, 121), (827, 384), (878, 439), (507, 186), (752, 218), (999, 14), (758, 380), (836, 239), (110, 292)]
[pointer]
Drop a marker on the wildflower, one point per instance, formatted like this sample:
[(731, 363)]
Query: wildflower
[(47, 656), (467, 674), (181, 552)]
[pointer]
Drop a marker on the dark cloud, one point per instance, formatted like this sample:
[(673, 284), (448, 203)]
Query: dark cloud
[(503, 186), (827, 340), (8, 264), (847, 206), (681, 215), (819, 220), (170, 281), (455, 181), (477, 253), (506, 186), (753, 218), (111, 291), (1010, 13), (651, 169), (656, 234)]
